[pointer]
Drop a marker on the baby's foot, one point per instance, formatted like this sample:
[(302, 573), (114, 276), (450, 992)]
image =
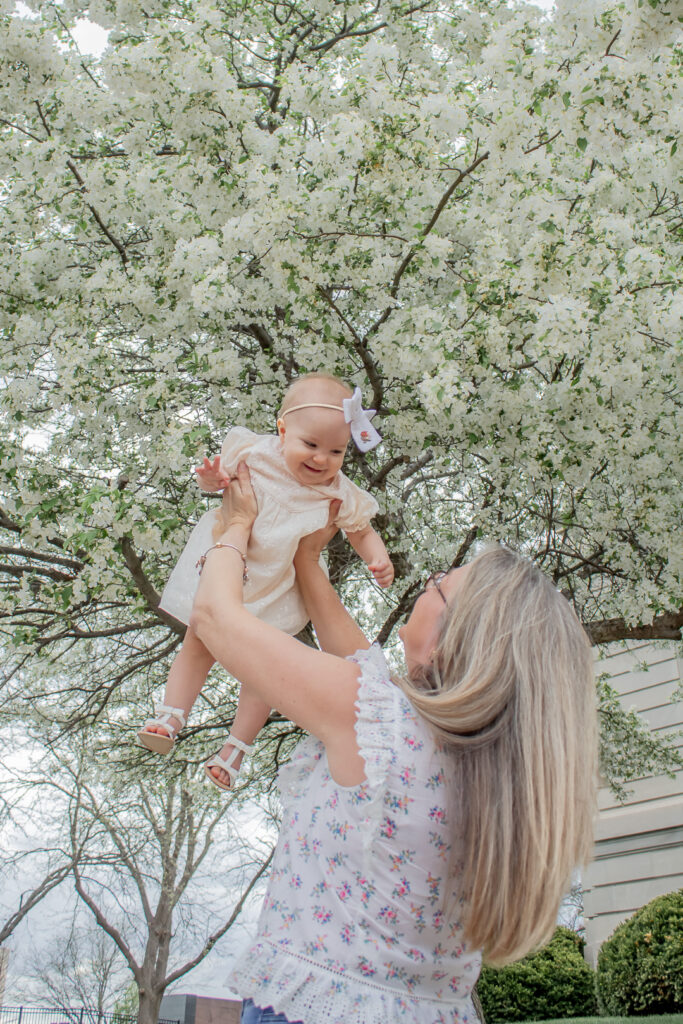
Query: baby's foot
[(159, 734), (223, 768), (220, 774), (171, 728)]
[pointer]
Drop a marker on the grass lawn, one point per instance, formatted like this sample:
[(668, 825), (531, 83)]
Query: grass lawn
[(667, 1018)]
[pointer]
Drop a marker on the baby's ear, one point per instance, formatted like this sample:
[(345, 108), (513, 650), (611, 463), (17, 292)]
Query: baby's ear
[(281, 427)]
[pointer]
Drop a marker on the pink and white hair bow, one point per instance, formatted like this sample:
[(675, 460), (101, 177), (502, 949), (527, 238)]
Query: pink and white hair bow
[(362, 431)]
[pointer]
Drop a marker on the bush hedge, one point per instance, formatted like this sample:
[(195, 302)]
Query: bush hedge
[(554, 982), (640, 967)]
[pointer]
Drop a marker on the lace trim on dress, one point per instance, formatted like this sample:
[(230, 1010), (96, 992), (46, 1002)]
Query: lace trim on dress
[(377, 732), (306, 991)]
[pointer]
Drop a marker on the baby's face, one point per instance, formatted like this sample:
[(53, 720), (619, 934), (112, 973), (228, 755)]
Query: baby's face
[(314, 443)]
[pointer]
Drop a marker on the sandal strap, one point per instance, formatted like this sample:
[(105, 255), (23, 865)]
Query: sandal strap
[(226, 763), (239, 745), (163, 711)]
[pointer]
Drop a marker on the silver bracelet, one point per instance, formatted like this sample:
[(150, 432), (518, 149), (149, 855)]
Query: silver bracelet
[(202, 560)]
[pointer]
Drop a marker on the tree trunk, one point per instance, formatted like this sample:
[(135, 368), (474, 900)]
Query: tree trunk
[(148, 1007)]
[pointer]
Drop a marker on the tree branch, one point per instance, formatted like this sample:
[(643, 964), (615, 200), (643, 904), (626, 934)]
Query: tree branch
[(146, 589), (213, 939), (664, 627)]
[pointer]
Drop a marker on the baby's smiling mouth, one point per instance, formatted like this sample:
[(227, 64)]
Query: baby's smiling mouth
[(312, 469)]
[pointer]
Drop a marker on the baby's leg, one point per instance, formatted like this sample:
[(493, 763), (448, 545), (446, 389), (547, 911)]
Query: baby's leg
[(251, 715), (186, 677)]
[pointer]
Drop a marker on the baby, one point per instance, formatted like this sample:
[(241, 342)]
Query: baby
[(295, 474)]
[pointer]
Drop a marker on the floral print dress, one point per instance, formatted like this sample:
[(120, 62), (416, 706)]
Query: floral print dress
[(361, 920)]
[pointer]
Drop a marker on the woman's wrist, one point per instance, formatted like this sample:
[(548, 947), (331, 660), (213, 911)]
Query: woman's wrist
[(238, 534)]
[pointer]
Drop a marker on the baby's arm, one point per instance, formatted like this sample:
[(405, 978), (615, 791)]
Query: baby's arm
[(210, 476), (370, 546)]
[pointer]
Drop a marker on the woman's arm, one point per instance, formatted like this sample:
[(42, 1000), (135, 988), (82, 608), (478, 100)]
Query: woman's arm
[(336, 631), (313, 689)]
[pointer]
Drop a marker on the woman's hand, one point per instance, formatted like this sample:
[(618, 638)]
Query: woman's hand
[(239, 506), (311, 546)]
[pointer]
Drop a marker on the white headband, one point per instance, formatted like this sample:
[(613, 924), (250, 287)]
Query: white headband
[(362, 431)]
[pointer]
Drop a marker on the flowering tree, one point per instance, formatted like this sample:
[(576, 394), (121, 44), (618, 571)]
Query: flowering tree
[(469, 209)]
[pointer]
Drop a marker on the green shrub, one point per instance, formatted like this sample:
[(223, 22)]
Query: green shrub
[(640, 967), (554, 982)]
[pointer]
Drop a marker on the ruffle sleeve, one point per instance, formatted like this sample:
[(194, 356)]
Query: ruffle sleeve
[(237, 445), (358, 507), (376, 717)]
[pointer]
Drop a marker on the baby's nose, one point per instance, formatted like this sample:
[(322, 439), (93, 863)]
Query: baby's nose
[(319, 457)]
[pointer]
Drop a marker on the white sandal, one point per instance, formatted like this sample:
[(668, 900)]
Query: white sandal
[(157, 741), (226, 763)]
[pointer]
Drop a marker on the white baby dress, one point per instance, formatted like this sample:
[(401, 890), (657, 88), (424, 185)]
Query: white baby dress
[(287, 511)]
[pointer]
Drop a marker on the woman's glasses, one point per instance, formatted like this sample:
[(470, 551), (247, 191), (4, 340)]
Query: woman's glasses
[(433, 582)]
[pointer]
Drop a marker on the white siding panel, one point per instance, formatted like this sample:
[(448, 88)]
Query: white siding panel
[(627, 897), (653, 788), (642, 865)]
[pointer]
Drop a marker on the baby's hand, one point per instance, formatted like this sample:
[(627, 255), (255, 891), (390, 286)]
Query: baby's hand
[(210, 476), (383, 571)]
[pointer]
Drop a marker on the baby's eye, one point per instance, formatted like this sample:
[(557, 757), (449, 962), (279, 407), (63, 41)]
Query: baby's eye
[(310, 444), (337, 451)]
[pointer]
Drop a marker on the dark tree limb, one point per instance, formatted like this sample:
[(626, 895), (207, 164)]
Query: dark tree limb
[(146, 589), (664, 627)]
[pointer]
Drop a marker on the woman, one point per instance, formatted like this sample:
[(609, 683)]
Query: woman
[(423, 822)]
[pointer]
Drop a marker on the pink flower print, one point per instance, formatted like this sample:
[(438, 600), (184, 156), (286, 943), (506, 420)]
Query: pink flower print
[(438, 975), (399, 803), (437, 920), (394, 973), (339, 829), (434, 884), (441, 845), (315, 846), (413, 742), (454, 985), (344, 891), (347, 934), (295, 882), (438, 952), (402, 889), (303, 846), (365, 967), (388, 828), (437, 814), (367, 889), (436, 780), (388, 915), (397, 860), (321, 914), (317, 945), (333, 801), (334, 862), (417, 910), (416, 954), (390, 941), (319, 888), (360, 795), (407, 776)]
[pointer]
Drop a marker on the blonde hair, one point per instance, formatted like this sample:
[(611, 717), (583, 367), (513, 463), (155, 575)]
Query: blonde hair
[(305, 378), (510, 691)]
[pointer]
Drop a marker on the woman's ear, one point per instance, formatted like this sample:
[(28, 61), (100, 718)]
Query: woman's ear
[(281, 427)]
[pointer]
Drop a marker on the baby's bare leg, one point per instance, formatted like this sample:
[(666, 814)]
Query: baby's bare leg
[(186, 677), (251, 715)]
